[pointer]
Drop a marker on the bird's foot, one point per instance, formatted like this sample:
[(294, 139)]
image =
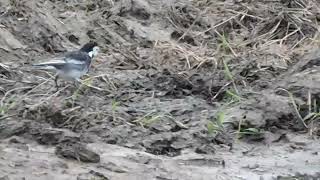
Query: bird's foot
[(77, 82), (56, 82)]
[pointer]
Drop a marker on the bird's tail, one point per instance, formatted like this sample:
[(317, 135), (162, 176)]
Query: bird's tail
[(50, 64), (44, 66)]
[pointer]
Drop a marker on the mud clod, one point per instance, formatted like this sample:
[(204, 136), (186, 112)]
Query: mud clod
[(78, 152), (12, 128), (92, 175)]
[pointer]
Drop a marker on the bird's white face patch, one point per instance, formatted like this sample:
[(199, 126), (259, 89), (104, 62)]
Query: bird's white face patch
[(94, 51)]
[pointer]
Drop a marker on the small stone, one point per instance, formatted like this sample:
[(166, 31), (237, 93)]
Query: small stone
[(77, 151)]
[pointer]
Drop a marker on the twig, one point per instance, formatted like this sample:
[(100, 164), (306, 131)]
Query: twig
[(219, 24), (8, 116), (231, 49), (220, 90), (53, 95), (295, 107), (10, 91), (191, 26)]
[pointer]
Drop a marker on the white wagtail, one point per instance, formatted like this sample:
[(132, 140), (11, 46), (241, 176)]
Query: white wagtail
[(72, 65)]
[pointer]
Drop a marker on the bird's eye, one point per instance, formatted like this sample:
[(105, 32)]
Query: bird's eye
[(96, 49)]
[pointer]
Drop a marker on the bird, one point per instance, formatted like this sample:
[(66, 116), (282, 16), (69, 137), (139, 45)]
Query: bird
[(71, 65)]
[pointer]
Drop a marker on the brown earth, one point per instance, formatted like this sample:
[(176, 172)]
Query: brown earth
[(182, 90)]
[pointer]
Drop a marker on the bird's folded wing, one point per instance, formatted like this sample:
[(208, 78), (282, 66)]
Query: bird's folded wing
[(74, 61)]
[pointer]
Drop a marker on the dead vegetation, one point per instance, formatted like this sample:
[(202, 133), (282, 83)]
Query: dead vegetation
[(241, 30)]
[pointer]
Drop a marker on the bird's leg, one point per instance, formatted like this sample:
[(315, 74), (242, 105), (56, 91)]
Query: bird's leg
[(56, 81), (77, 82)]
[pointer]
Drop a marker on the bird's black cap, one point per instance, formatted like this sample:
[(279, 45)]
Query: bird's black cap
[(89, 46)]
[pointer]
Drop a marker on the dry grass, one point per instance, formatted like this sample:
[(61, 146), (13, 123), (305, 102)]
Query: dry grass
[(185, 55), (290, 24)]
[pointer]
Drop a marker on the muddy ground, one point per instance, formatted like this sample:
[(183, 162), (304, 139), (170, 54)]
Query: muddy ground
[(183, 89)]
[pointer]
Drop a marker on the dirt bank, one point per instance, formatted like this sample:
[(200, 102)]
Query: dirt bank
[(181, 90)]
